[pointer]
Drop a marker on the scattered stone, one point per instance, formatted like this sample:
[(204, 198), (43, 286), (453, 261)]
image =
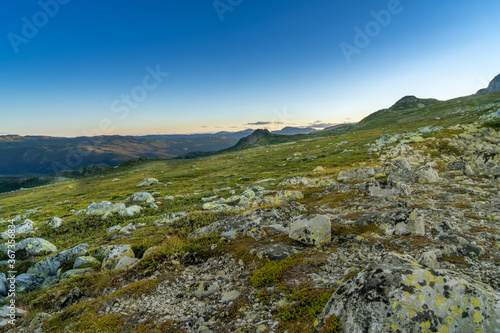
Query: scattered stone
[(86, 260), (142, 197), (23, 228), (113, 253), (289, 195), (125, 262), (148, 182), (311, 229), (396, 222), (54, 222), (360, 174), (276, 252), (384, 188)]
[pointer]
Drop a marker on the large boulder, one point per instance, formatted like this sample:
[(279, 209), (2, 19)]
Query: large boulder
[(384, 188), (148, 182), (48, 266), (396, 222), (31, 247), (426, 174), (130, 211), (396, 294), (22, 228), (462, 166), (311, 229), (295, 181), (359, 174)]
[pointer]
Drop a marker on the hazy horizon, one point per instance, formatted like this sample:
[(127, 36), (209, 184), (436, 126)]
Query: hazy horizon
[(122, 68)]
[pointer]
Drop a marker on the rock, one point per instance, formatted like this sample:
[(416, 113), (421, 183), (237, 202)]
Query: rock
[(76, 271), (469, 250), (396, 222), (384, 188), (23, 228), (216, 207), (169, 197), (277, 218), (125, 262), (4, 285), (148, 182), (353, 175), (25, 282), (112, 255), (142, 197), (429, 259), (464, 167), (416, 139), (295, 181), (54, 222), (229, 296), (38, 320), (113, 228), (48, 266), (397, 294), (169, 218), (205, 289), (276, 252), (403, 176), (6, 311), (86, 260), (311, 229), (426, 174), (289, 195), (130, 211), (104, 207), (29, 247), (69, 299), (319, 169)]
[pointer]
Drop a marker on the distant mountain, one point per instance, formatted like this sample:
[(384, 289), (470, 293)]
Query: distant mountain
[(412, 102), (493, 86), (294, 130)]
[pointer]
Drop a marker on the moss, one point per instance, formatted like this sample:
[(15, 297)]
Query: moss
[(273, 271), (332, 325)]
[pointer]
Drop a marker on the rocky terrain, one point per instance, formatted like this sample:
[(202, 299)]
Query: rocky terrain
[(391, 226)]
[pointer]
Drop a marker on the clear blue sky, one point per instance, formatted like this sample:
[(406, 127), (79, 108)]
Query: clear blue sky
[(231, 63)]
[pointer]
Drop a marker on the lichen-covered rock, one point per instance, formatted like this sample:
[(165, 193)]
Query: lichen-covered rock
[(85, 260), (4, 285), (48, 266), (130, 211), (112, 255), (426, 174), (26, 282), (462, 166), (218, 207), (148, 182), (22, 228), (359, 174), (384, 188), (311, 229), (396, 294), (396, 222), (295, 181), (76, 271), (276, 252), (277, 218), (142, 197), (54, 222), (104, 207), (289, 195), (31, 247), (125, 262)]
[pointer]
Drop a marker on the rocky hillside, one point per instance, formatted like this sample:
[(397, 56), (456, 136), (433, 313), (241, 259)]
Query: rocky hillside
[(493, 86), (388, 227)]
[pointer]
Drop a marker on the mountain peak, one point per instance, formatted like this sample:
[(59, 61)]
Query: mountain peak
[(412, 102), (493, 86)]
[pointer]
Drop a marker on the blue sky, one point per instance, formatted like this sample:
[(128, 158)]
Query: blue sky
[(74, 67)]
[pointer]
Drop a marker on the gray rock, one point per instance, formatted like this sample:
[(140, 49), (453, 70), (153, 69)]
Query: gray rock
[(86, 260), (396, 222), (311, 229), (5, 312), (48, 266), (462, 166), (104, 207), (130, 211), (77, 271), (229, 296), (384, 188), (25, 282), (4, 285), (23, 228), (148, 182), (289, 195), (169, 218), (142, 197), (54, 222), (359, 174), (112, 255), (398, 294), (38, 320), (426, 174), (276, 252), (113, 228), (429, 259), (29, 247), (125, 262), (295, 181)]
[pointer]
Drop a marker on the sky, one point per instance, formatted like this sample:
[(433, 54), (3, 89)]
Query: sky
[(74, 67)]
